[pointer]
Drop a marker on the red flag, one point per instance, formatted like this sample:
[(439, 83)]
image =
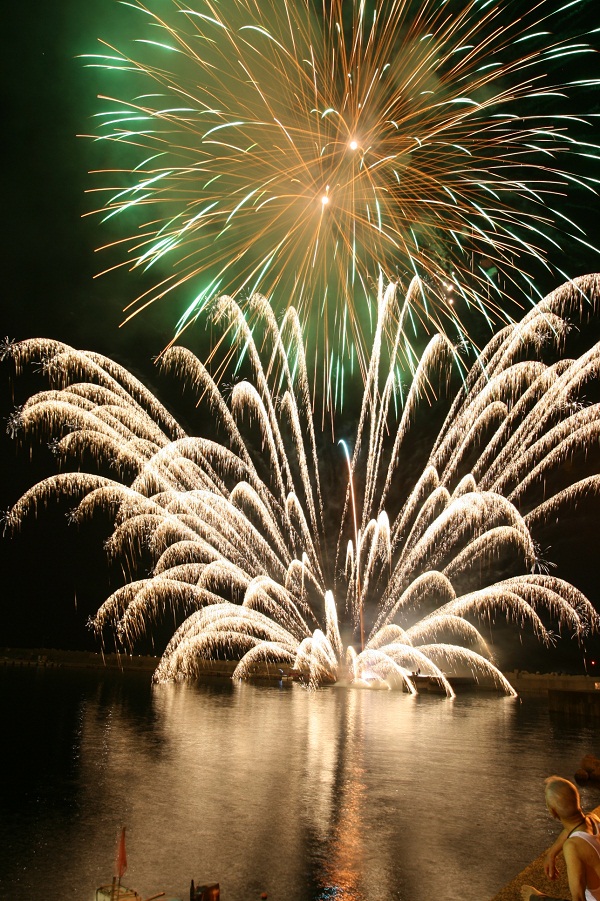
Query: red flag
[(121, 861)]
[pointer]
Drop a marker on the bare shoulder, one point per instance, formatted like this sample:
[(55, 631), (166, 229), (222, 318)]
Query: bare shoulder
[(576, 848), (575, 851)]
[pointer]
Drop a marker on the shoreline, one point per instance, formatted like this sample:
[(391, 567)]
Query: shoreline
[(523, 681), (53, 658)]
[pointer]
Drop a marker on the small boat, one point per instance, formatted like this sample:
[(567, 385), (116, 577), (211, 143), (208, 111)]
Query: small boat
[(116, 891), (428, 683)]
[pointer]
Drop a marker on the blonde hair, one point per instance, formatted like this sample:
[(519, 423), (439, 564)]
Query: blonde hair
[(562, 796)]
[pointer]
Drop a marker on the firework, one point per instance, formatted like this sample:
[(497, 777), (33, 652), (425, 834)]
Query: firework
[(300, 152), (240, 529)]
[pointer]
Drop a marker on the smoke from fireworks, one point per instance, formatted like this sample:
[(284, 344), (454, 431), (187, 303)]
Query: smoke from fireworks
[(238, 526), (301, 151)]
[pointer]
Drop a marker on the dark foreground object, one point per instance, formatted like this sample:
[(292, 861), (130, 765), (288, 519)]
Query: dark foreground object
[(210, 892)]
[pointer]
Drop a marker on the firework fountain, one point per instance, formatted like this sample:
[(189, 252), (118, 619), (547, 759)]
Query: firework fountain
[(239, 526)]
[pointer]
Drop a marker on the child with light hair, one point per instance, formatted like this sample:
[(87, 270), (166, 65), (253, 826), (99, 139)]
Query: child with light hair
[(579, 841)]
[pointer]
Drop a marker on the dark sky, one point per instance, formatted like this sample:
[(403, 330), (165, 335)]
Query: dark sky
[(48, 265)]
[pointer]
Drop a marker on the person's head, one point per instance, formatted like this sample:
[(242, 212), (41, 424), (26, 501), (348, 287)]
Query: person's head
[(562, 798)]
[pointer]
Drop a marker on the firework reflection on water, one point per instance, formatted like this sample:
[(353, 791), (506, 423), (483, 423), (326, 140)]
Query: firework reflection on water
[(334, 794)]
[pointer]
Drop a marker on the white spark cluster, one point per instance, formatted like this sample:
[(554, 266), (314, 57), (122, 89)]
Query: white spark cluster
[(238, 525)]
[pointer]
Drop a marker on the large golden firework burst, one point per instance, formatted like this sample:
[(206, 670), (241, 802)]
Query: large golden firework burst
[(304, 151)]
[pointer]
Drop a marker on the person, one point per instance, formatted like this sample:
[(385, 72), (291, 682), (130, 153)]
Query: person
[(579, 841)]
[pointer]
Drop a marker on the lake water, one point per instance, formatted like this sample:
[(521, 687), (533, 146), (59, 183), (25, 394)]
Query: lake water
[(335, 794)]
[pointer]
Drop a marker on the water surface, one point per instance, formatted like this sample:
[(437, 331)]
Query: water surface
[(335, 794)]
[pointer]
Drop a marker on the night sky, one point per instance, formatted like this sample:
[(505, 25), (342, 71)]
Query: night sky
[(54, 576)]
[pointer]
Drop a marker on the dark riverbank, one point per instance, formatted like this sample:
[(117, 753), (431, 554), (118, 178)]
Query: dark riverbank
[(51, 657), (552, 684), (542, 682)]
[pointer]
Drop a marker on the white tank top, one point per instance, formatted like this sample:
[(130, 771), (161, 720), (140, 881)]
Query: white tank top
[(594, 841)]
